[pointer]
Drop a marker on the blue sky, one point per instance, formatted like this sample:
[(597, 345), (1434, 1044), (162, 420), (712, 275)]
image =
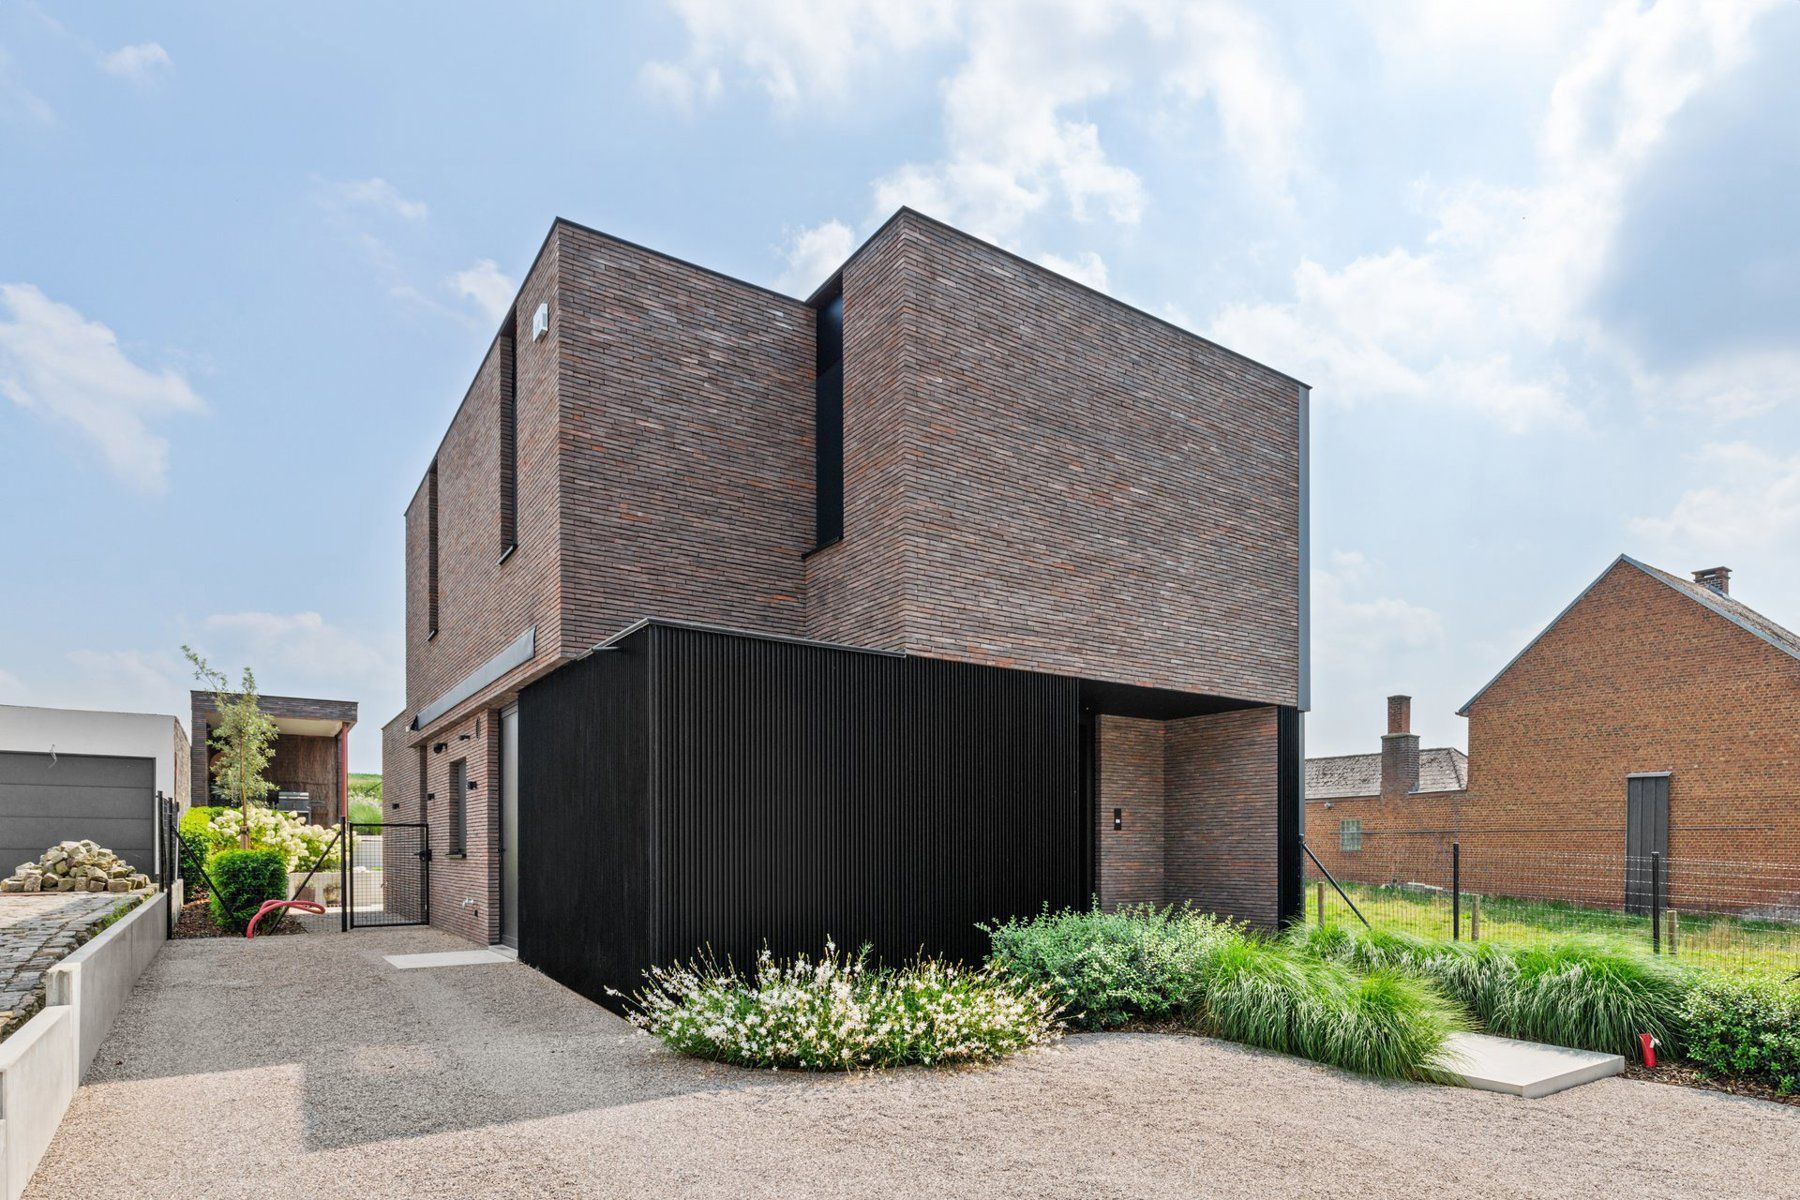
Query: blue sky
[(1538, 260)]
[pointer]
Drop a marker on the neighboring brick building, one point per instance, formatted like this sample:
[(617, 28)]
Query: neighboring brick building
[(948, 453), (1654, 715), (1370, 816)]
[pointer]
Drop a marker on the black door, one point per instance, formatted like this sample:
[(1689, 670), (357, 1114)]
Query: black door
[(1646, 833)]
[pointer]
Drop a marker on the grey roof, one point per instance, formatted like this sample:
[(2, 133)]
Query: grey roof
[(1443, 769), (1735, 611)]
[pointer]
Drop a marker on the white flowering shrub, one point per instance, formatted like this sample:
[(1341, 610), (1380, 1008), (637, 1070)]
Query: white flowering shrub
[(299, 841), (839, 1013)]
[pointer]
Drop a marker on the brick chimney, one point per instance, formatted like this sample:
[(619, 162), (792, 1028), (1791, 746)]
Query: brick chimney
[(1716, 578), (1399, 750)]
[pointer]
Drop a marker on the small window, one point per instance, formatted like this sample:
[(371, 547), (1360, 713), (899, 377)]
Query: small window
[(459, 806), (828, 425), (1349, 835)]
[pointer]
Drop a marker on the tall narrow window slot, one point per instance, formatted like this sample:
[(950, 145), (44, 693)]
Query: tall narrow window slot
[(459, 806), (431, 550), (828, 422), (509, 434)]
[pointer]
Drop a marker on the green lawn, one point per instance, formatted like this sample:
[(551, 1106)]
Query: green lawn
[(365, 785), (1734, 944)]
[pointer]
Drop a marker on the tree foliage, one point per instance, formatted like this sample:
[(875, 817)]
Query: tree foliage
[(243, 741)]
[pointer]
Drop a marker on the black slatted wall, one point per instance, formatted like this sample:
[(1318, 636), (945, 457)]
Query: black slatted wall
[(808, 791), (694, 789), (584, 822)]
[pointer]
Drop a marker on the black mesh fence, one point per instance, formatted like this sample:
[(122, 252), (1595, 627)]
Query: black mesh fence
[(1741, 916), (388, 874)]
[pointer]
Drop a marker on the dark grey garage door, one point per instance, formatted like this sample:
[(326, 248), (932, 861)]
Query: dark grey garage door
[(74, 796)]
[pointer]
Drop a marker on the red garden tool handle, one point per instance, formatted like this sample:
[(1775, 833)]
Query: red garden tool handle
[(269, 906)]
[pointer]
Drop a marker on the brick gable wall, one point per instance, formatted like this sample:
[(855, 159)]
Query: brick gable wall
[(1636, 677)]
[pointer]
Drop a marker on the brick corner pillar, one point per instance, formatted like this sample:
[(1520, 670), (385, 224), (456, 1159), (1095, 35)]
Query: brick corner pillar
[(1399, 751)]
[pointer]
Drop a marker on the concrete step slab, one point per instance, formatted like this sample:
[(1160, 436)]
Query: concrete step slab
[(1527, 1069), (444, 958)]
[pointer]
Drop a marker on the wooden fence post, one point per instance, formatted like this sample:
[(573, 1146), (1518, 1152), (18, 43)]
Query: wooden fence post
[(1475, 917), (1319, 888)]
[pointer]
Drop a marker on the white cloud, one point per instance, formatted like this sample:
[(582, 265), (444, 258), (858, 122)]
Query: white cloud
[(813, 254), (58, 364), (487, 285), (301, 646), (18, 101), (123, 681), (376, 195), (1019, 143), (12, 689), (141, 64), (1085, 267), (792, 49), (1368, 644), (1749, 505), (1488, 310)]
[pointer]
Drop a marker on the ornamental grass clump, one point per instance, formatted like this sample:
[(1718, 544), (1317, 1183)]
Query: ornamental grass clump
[(1591, 995), (840, 1013), (1217, 978)]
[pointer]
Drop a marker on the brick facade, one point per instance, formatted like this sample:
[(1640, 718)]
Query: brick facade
[(1036, 476), (1638, 677), (1198, 799)]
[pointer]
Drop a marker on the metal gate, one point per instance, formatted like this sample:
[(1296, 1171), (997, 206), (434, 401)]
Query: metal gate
[(386, 874)]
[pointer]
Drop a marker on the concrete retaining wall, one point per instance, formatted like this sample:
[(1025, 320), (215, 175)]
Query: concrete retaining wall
[(94, 981), (42, 1063)]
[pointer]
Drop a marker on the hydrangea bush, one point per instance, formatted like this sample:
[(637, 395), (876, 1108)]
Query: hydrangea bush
[(840, 1013), (299, 841)]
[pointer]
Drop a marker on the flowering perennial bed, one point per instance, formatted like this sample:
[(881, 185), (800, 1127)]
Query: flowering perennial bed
[(840, 1013)]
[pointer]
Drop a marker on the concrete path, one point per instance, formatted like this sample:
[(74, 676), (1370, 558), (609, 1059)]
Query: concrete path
[(307, 1066)]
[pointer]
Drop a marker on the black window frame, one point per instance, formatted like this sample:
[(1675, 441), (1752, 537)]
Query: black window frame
[(431, 551)]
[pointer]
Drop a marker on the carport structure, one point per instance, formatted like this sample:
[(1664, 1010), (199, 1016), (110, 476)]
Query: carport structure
[(311, 770)]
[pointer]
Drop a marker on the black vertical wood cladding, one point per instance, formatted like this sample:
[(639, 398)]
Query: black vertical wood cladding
[(1290, 814), (790, 792), (584, 822)]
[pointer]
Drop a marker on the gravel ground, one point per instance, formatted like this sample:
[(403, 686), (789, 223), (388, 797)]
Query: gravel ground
[(305, 1066)]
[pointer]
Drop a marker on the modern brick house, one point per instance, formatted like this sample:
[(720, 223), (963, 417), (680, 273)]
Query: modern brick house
[(1655, 715), (955, 589), (1401, 790), (311, 767)]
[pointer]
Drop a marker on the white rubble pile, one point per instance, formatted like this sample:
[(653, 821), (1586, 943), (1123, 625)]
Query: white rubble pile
[(82, 866)]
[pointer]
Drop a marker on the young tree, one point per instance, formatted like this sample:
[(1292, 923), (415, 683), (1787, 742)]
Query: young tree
[(244, 739)]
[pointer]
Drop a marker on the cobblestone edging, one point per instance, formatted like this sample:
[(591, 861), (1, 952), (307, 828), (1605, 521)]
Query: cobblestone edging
[(38, 930)]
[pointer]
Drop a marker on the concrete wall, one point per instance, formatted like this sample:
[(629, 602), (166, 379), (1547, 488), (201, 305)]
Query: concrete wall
[(41, 1064), (94, 981), (39, 1071)]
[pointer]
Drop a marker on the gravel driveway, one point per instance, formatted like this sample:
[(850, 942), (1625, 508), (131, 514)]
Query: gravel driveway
[(305, 1066)]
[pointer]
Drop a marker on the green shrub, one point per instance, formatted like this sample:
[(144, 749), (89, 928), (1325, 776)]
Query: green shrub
[(1591, 995), (364, 811), (1213, 977), (245, 879), (196, 823), (1110, 968), (839, 1013), (1745, 1030)]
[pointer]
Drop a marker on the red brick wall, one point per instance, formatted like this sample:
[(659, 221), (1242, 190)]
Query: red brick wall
[(1406, 839), (476, 875), (1037, 476), (687, 487), (1221, 778), (1638, 677), (1131, 778)]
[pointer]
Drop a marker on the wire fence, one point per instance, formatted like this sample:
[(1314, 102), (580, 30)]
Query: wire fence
[(1738, 916)]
